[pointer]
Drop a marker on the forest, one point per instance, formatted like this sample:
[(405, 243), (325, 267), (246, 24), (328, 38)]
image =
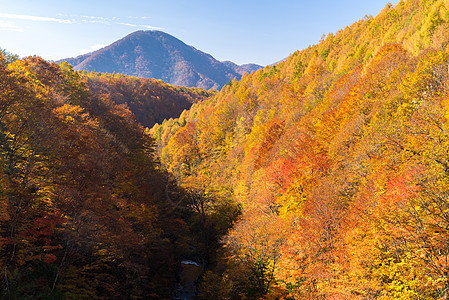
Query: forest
[(324, 176), (338, 159), (82, 208)]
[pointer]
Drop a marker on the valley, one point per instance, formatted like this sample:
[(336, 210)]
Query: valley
[(322, 176)]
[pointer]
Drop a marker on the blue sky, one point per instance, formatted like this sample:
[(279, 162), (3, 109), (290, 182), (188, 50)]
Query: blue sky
[(243, 31)]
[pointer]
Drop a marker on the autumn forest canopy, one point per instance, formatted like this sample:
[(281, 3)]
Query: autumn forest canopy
[(324, 176)]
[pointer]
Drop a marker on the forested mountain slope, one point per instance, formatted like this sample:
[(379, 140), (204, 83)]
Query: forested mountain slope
[(338, 158), (150, 100), (84, 211)]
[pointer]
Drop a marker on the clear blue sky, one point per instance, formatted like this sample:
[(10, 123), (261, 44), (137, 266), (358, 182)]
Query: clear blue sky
[(243, 31)]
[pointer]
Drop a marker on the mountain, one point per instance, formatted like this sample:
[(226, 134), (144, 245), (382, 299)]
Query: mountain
[(240, 69), (155, 54), (338, 158)]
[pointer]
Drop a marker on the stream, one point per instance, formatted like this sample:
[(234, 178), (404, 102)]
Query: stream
[(189, 273)]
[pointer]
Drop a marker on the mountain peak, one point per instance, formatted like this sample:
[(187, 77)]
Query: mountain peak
[(156, 54)]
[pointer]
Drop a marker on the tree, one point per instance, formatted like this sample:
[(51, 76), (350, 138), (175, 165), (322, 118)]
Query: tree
[(7, 58), (256, 242)]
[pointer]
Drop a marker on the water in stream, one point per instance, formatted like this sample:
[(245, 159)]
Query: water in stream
[(189, 273)]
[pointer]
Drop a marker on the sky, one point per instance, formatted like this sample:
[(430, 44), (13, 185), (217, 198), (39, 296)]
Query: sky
[(242, 31)]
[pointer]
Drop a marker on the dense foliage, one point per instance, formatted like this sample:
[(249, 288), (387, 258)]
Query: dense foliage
[(338, 157), (83, 210), (150, 100)]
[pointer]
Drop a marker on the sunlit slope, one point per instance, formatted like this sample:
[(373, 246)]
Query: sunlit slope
[(338, 157)]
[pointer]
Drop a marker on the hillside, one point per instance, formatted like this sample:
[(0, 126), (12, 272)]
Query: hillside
[(338, 158), (150, 100), (155, 54), (85, 211)]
